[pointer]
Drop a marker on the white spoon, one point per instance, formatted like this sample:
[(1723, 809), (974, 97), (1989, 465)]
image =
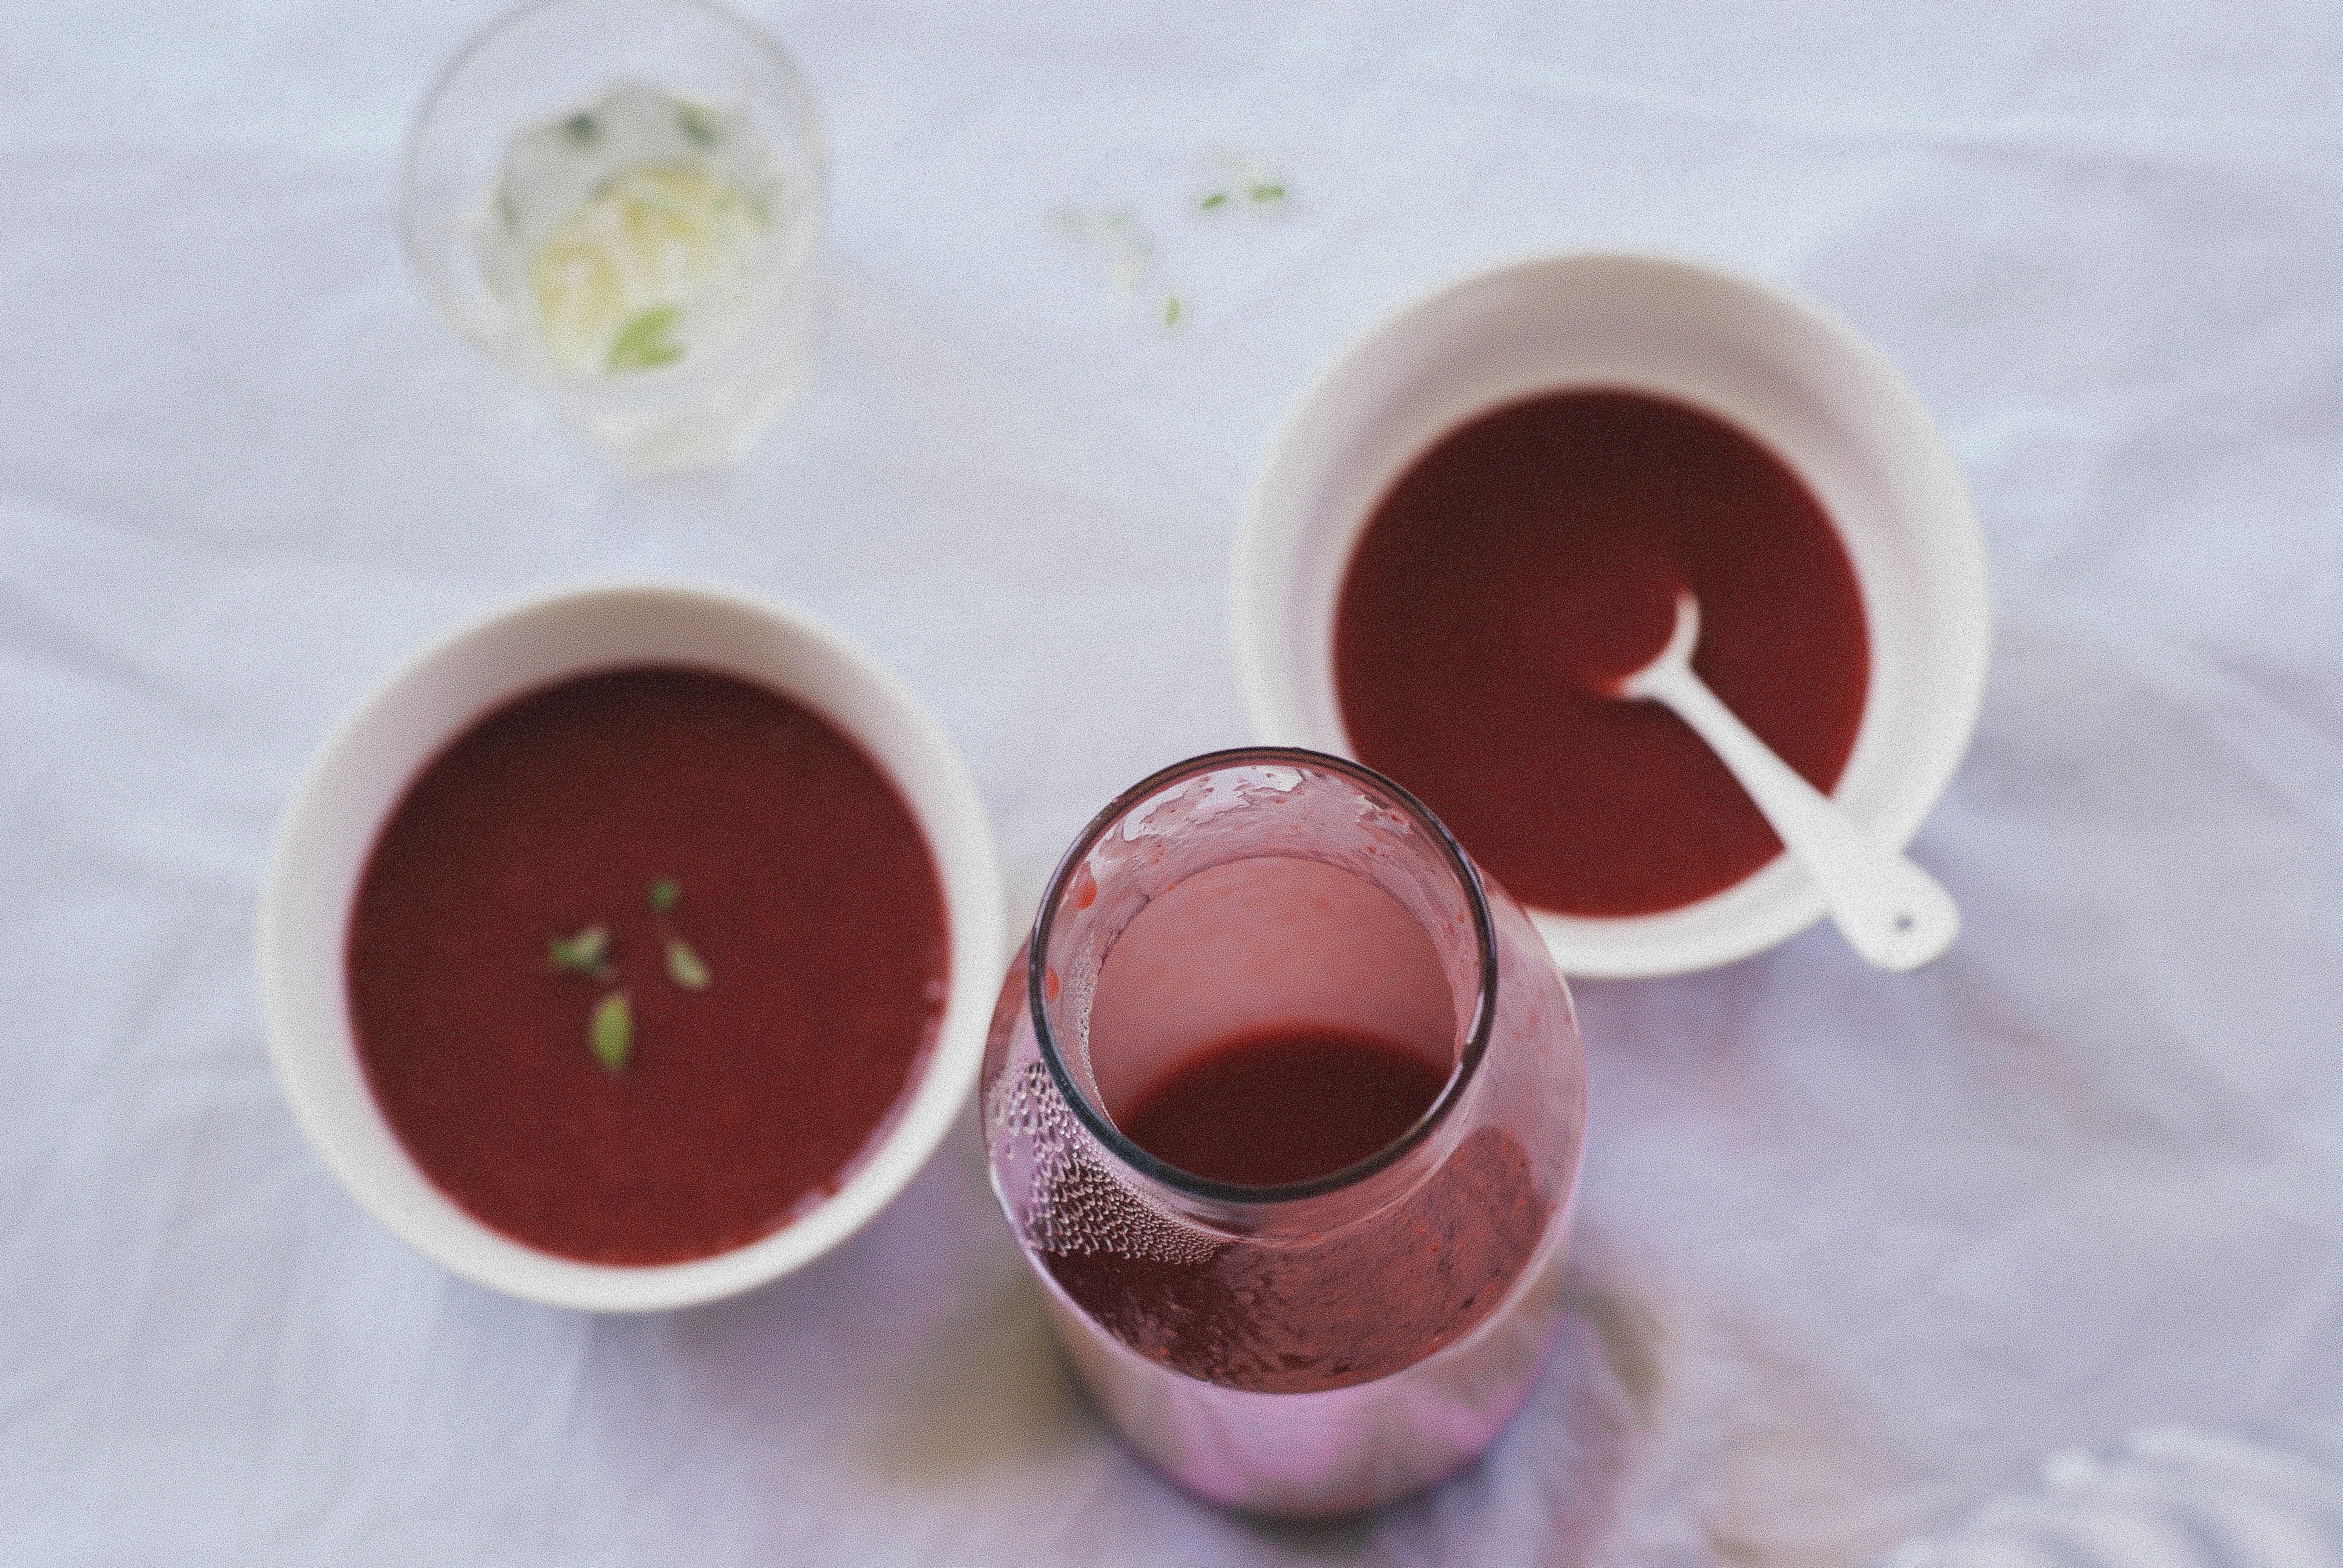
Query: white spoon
[(1893, 913)]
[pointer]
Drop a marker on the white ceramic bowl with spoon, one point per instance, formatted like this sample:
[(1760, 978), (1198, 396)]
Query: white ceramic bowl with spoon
[(1782, 368)]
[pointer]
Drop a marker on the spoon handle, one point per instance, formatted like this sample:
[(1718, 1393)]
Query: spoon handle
[(1893, 913)]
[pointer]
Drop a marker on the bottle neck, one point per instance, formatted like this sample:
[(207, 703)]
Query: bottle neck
[(1250, 893)]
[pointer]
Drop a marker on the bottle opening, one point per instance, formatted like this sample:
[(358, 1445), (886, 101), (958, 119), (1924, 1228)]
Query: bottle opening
[(1270, 1020), (1262, 974)]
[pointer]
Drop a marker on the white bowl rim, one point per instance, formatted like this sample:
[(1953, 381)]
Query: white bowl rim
[(1779, 900), (959, 833)]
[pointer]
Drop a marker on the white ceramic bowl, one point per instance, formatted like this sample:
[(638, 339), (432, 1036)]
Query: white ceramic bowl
[(1779, 366), (357, 777)]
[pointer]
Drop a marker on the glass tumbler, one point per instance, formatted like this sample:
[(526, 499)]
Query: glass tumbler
[(567, 190), (1323, 1344)]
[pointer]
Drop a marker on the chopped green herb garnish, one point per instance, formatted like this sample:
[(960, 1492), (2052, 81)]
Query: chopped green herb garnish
[(1171, 308), (613, 1031), (581, 128), (1218, 199), (583, 954), (683, 966), (1266, 190), (664, 893), (695, 127), (644, 343)]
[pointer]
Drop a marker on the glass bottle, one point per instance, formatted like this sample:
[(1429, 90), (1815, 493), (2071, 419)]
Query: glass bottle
[(1319, 1346)]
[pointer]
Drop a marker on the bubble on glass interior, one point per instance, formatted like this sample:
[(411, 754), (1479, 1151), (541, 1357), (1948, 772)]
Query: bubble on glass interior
[(1071, 1204)]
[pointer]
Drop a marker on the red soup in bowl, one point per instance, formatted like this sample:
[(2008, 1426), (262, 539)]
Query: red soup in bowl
[(1478, 520), (631, 947), (1531, 555), (643, 961)]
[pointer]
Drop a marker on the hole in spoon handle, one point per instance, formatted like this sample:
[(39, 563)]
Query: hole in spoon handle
[(1918, 924)]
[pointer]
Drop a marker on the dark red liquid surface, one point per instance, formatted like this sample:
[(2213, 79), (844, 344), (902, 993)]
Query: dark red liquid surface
[(1530, 558), (805, 888), (1274, 1109)]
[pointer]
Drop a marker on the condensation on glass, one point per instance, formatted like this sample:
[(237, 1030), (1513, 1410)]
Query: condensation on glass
[(1324, 1346)]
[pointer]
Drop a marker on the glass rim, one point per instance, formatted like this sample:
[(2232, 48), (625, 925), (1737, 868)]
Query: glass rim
[(1459, 1076)]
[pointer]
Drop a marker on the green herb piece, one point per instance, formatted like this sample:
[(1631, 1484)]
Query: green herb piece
[(613, 1031), (664, 894), (507, 211), (695, 127), (1218, 199), (583, 954), (644, 343), (1266, 190), (1171, 308), (581, 128), (683, 966)]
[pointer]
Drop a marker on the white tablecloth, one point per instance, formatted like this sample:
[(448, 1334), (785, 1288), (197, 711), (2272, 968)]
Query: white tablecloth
[(1856, 1251)]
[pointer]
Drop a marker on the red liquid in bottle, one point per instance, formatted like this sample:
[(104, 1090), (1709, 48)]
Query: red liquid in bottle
[(1287, 1106)]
